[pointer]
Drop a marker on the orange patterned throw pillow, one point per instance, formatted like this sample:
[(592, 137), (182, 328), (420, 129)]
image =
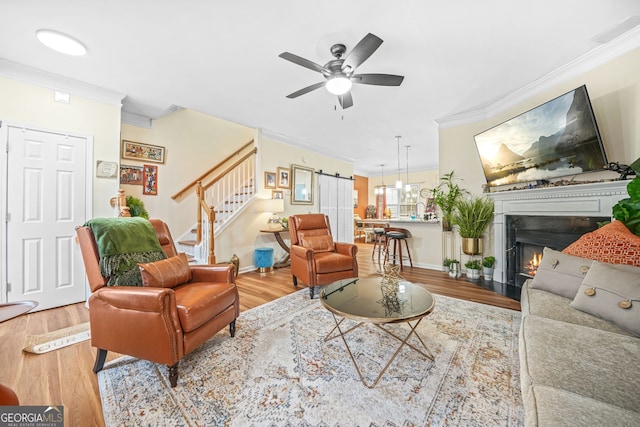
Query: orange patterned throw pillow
[(613, 243), (318, 243)]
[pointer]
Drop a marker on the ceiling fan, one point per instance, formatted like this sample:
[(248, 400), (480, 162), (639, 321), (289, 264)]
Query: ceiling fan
[(339, 72)]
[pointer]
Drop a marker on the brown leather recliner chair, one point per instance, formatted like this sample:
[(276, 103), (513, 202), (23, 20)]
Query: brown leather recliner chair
[(315, 258), (159, 324)]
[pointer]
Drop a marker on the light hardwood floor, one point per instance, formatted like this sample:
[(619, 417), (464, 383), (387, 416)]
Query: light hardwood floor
[(64, 377)]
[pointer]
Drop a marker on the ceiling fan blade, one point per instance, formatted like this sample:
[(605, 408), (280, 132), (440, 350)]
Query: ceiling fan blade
[(362, 51), (306, 90), (303, 62), (346, 100), (377, 79)]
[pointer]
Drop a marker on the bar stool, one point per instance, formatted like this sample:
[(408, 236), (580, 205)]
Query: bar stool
[(379, 241), (396, 236)]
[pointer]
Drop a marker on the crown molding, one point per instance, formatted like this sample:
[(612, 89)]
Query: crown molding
[(588, 61), (301, 144), (134, 119), (15, 71)]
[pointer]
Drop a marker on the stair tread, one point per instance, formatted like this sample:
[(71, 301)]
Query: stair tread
[(188, 242)]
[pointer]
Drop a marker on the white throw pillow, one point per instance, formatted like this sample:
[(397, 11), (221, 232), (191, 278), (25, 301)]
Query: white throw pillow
[(560, 273), (611, 292)]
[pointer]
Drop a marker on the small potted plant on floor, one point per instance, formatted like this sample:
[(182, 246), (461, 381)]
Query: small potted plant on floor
[(446, 264), (473, 267), (488, 263)]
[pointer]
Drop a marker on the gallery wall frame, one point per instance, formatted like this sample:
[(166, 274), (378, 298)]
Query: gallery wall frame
[(131, 175), (150, 180), (277, 194), (132, 150), (284, 178), (270, 180)]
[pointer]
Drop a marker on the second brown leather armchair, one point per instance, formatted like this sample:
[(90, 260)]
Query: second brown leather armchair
[(315, 258)]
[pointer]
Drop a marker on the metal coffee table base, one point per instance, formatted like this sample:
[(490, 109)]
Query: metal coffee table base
[(403, 341)]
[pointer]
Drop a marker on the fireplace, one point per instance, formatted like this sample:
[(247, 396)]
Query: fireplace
[(528, 235), (528, 220)]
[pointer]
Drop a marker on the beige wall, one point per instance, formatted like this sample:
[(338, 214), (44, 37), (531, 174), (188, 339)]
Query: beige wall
[(194, 142), (31, 105), (614, 89)]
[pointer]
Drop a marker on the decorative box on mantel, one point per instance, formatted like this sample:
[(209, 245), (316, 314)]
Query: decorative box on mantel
[(579, 200)]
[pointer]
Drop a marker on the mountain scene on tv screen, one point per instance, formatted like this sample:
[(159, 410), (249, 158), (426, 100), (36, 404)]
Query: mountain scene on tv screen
[(558, 138)]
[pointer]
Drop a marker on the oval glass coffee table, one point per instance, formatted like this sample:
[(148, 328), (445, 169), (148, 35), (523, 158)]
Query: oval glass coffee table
[(378, 302)]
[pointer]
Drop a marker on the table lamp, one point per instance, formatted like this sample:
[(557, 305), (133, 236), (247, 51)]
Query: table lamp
[(274, 207)]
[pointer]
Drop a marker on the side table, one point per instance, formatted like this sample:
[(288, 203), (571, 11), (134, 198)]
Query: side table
[(286, 262)]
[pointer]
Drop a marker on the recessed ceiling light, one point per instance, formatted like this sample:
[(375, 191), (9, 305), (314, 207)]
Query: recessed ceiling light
[(61, 42)]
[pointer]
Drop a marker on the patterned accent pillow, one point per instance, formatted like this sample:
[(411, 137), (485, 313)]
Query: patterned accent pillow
[(611, 292), (167, 273), (560, 274), (613, 243), (319, 243)]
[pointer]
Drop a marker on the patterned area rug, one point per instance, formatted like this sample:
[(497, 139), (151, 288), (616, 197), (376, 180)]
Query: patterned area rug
[(279, 371)]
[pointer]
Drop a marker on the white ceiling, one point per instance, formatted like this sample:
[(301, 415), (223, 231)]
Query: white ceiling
[(221, 58)]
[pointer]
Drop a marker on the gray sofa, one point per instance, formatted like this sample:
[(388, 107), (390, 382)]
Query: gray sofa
[(576, 369)]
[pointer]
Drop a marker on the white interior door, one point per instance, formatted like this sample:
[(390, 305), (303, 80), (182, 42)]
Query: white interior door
[(46, 197)]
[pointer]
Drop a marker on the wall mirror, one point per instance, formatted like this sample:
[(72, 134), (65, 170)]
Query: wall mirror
[(302, 189)]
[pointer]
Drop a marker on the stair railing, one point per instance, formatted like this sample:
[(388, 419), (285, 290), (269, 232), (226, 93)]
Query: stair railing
[(220, 198)]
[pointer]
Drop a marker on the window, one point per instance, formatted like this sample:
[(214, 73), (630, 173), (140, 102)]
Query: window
[(402, 203)]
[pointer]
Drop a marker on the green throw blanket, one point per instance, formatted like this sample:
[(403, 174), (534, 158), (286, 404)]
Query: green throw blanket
[(123, 243)]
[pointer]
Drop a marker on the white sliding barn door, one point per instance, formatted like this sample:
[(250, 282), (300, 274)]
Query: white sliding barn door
[(46, 199), (336, 201)]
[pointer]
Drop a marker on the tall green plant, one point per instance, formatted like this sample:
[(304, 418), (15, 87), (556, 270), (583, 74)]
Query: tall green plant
[(473, 215), (628, 210), (445, 195), (136, 207)]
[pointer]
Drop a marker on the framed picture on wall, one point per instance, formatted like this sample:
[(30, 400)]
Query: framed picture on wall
[(269, 180), (150, 180), (142, 152), (131, 175), (277, 194), (284, 180)]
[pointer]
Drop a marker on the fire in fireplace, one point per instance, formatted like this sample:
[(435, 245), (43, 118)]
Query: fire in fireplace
[(528, 235)]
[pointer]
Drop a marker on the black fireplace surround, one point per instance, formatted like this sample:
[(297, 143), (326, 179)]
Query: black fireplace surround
[(530, 234)]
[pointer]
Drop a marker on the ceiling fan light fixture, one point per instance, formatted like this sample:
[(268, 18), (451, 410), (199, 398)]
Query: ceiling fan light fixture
[(61, 42), (338, 85)]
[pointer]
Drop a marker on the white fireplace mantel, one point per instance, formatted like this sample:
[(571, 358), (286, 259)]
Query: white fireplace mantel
[(593, 199)]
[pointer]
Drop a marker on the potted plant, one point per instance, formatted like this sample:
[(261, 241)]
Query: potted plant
[(473, 215), (136, 207), (473, 267), (445, 196), (454, 269), (446, 264), (488, 263), (628, 210)]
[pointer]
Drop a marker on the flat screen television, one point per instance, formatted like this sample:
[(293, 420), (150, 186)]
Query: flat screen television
[(558, 138)]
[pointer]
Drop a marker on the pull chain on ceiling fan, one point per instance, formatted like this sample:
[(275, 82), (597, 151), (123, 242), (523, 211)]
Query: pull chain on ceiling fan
[(339, 73)]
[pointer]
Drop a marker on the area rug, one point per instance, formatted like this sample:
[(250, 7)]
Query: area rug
[(279, 371), (54, 340)]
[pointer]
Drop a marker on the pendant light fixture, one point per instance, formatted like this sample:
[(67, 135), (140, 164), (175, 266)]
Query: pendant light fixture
[(407, 188), (399, 181)]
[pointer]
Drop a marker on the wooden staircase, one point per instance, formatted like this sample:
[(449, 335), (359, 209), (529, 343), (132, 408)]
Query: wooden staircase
[(223, 193)]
